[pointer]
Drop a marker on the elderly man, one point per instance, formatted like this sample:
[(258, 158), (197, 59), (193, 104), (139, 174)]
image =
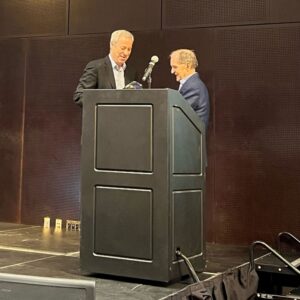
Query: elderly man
[(183, 64), (110, 72)]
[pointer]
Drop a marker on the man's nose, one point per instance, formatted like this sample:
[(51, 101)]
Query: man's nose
[(127, 52)]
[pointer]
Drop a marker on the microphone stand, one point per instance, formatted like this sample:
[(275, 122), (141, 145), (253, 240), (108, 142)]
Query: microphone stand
[(149, 81)]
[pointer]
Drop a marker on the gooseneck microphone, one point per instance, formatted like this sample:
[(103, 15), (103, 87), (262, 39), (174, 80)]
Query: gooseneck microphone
[(148, 71)]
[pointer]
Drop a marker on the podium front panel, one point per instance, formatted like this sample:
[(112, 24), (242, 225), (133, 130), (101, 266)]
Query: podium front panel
[(123, 222), (187, 143), (188, 226), (118, 133)]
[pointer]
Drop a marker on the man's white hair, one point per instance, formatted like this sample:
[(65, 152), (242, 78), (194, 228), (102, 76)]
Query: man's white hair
[(116, 35), (186, 57)]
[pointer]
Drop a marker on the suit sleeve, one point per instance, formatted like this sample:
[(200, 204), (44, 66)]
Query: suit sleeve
[(198, 98), (88, 80)]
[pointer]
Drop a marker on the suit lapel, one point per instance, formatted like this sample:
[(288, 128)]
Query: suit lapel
[(109, 75)]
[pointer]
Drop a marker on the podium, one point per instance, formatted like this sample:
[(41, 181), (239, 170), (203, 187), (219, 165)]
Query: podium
[(143, 165)]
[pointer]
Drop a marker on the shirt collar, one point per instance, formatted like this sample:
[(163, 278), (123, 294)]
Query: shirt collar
[(115, 66), (182, 81)]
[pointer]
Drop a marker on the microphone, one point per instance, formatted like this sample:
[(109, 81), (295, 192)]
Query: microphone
[(148, 71)]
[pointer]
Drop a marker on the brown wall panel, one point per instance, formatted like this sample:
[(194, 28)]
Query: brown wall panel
[(12, 62), (100, 16), (284, 11), (203, 13), (33, 17), (52, 131), (190, 13), (257, 128)]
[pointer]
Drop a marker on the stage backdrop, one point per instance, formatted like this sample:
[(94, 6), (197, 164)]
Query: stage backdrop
[(249, 58)]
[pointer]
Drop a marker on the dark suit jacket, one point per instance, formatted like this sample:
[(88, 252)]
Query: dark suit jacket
[(195, 93), (98, 74)]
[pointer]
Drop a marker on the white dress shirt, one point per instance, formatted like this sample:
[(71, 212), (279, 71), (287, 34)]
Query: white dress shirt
[(118, 74)]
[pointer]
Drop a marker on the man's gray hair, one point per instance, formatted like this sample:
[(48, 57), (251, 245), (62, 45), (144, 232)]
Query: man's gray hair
[(186, 57), (116, 35)]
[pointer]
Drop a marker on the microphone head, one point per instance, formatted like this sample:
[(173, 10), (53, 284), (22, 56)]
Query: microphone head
[(154, 59)]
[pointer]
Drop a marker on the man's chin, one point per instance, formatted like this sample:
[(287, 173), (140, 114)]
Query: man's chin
[(121, 62)]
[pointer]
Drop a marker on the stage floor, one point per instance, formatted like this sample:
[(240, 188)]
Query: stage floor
[(33, 250)]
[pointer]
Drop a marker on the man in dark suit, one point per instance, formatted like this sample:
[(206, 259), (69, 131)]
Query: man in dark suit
[(183, 64), (110, 72)]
